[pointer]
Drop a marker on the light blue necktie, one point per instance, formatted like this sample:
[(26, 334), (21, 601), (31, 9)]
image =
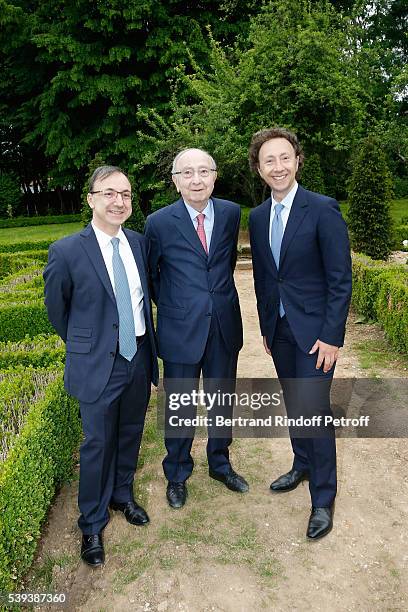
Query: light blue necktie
[(127, 334), (276, 242)]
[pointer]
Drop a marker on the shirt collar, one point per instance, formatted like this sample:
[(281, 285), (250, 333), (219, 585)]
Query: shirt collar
[(288, 199), (103, 238), (208, 211)]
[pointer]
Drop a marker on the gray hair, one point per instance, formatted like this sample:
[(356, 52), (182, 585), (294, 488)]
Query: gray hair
[(180, 153), (102, 173)]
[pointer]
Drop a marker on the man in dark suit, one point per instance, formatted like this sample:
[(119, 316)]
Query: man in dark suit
[(193, 250), (97, 298), (302, 274)]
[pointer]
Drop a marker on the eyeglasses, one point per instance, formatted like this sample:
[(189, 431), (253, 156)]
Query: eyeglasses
[(188, 173), (111, 194)]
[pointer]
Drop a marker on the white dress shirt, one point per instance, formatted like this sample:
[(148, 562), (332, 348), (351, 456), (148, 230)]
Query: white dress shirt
[(132, 273), (287, 205), (208, 220)]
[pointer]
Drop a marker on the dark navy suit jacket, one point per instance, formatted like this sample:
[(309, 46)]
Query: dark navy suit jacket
[(189, 286), (82, 308), (314, 277)]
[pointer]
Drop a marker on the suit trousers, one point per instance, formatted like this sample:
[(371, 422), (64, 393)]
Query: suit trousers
[(316, 455), (113, 428), (218, 366)]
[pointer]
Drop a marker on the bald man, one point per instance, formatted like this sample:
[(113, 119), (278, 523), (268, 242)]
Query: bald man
[(193, 251)]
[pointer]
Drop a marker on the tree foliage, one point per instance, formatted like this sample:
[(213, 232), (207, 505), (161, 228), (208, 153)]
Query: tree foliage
[(370, 193), (312, 175), (76, 73), (137, 81), (302, 69)]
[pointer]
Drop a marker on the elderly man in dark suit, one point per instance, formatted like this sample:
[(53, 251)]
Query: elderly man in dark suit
[(193, 250), (302, 274), (97, 298)]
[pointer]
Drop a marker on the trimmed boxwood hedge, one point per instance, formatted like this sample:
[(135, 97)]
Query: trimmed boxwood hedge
[(44, 220), (380, 292), (29, 276), (20, 320), (41, 459), (31, 245), (40, 352), (12, 263)]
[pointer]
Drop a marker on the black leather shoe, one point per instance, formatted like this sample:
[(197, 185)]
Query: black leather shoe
[(176, 494), (289, 481), (134, 514), (232, 480), (320, 523), (92, 550)]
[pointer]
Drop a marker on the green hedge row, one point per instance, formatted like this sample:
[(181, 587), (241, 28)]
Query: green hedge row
[(41, 459), (29, 245), (380, 292), (40, 352), (13, 262), (20, 320), (27, 277), (47, 220)]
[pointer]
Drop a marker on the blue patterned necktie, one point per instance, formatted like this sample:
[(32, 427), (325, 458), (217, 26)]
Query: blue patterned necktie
[(127, 334), (276, 242)]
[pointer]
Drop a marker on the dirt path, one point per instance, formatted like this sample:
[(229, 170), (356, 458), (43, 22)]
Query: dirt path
[(232, 553)]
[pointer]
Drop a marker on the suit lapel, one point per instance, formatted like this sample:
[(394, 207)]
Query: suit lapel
[(264, 221), (218, 227), (297, 212), (140, 263), (91, 246), (186, 227)]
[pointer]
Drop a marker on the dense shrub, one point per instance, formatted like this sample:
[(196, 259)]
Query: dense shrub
[(29, 245), (40, 352), (380, 292), (28, 276), (14, 262), (401, 187), (312, 175), (20, 320), (34, 221), (40, 459), (370, 192), (10, 193)]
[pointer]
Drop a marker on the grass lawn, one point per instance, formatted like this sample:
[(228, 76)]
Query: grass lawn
[(399, 209), (38, 232)]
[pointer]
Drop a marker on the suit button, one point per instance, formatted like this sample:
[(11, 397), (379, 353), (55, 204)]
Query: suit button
[(115, 326), (280, 279), (112, 354), (211, 290)]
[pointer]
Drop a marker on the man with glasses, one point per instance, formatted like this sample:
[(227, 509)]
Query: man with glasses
[(97, 298), (302, 274), (193, 250)]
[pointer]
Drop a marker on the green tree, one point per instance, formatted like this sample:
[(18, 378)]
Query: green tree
[(76, 73), (370, 193), (10, 194), (298, 71), (312, 175)]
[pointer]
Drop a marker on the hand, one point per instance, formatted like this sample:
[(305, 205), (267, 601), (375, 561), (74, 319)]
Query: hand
[(327, 355), (266, 346)]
